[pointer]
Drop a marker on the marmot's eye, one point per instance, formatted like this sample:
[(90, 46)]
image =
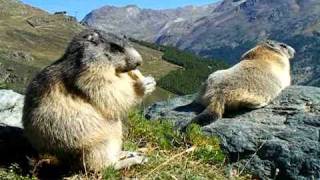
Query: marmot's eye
[(116, 48), (283, 46)]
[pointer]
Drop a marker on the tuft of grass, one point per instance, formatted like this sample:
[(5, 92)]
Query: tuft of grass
[(14, 172), (208, 149), (3, 86), (111, 173), (159, 134)]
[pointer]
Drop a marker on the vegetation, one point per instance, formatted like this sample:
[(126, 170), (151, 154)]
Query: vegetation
[(171, 154), (3, 86), (194, 71), (13, 172)]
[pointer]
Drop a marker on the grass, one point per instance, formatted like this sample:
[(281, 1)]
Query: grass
[(171, 154), (13, 173), (3, 86)]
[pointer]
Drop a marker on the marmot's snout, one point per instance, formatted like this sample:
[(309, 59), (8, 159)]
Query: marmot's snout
[(133, 58), (281, 48), (291, 52)]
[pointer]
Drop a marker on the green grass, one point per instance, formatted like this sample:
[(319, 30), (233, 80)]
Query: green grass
[(3, 86), (14, 173), (171, 154)]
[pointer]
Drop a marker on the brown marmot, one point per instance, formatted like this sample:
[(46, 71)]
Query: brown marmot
[(262, 73), (73, 108)]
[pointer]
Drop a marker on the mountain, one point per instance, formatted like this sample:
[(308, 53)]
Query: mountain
[(226, 29), (31, 39), (146, 24)]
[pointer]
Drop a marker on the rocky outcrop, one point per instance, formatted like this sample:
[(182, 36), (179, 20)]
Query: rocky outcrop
[(280, 141)]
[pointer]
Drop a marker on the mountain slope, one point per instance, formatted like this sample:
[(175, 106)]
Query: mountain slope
[(145, 24), (226, 29), (31, 38)]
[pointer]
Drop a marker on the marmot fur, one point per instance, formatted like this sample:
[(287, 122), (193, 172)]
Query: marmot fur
[(258, 78), (73, 108)]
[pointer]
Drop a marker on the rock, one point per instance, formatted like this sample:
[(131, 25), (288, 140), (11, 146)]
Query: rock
[(11, 105), (280, 141), (14, 147), (21, 56), (4, 74)]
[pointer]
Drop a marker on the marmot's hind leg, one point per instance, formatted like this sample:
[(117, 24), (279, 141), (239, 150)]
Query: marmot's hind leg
[(102, 155), (109, 154)]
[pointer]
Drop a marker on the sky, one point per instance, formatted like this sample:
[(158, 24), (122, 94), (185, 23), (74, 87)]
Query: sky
[(80, 8)]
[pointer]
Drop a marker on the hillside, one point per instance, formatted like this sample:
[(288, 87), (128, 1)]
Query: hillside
[(192, 72), (32, 39), (226, 29)]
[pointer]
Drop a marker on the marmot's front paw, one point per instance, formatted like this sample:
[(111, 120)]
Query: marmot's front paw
[(149, 84)]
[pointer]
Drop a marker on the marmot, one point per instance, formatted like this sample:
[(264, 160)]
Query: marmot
[(262, 73), (73, 108)]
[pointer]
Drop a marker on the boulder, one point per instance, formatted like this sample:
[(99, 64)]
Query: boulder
[(11, 105), (14, 147), (279, 141)]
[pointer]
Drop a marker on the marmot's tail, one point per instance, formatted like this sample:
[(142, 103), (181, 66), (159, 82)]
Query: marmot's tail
[(213, 111), (216, 107)]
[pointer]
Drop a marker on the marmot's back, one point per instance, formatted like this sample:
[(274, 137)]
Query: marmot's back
[(247, 76), (258, 78)]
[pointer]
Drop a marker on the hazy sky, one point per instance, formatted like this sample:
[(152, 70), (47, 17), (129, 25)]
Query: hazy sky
[(80, 8)]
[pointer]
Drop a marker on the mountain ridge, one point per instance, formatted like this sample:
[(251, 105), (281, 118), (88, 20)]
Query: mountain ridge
[(226, 29)]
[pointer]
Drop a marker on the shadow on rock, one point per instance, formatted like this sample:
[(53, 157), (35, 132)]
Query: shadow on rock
[(14, 147), (192, 107)]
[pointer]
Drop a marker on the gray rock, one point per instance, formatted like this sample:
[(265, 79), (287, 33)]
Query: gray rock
[(14, 147), (11, 105), (279, 141)]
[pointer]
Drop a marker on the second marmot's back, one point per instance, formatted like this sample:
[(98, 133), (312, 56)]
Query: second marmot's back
[(258, 78)]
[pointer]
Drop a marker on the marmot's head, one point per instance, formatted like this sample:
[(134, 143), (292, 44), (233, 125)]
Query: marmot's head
[(98, 47), (269, 47)]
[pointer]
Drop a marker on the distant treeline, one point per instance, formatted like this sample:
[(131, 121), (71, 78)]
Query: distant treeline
[(194, 71)]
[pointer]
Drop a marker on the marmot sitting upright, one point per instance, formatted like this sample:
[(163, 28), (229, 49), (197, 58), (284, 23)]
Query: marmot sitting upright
[(258, 78), (73, 108)]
